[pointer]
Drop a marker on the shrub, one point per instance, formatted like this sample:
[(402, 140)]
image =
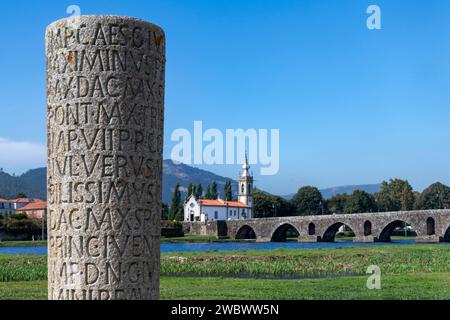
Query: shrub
[(170, 224), (19, 226), (347, 234), (19, 216)]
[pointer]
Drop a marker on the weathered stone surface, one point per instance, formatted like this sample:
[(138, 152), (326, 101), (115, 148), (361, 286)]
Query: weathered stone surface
[(430, 226), (105, 97)]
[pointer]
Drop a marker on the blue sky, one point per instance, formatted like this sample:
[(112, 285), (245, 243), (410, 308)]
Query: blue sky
[(353, 106)]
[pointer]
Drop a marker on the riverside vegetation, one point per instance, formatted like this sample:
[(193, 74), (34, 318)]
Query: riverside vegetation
[(408, 272)]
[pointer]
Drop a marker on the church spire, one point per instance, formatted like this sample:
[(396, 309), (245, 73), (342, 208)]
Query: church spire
[(245, 167), (245, 194)]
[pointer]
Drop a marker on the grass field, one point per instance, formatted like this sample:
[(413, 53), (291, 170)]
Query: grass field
[(23, 267), (400, 287), (407, 272), (394, 260)]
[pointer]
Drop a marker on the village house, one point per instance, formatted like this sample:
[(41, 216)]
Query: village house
[(34, 208)]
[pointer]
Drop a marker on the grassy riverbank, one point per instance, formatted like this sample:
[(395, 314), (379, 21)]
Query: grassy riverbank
[(185, 239), (408, 272), (194, 239), (340, 238), (23, 243)]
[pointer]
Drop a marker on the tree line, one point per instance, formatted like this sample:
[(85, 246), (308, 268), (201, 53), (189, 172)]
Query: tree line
[(394, 195)]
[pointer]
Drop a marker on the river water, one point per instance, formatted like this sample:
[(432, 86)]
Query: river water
[(227, 246)]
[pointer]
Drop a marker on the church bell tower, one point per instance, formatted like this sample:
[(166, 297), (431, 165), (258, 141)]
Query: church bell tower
[(245, 194)]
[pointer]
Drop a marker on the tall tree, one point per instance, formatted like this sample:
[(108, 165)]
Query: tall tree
[(417, 195), (336, 204), (395, 195), (228, 194), (360, 202), (214, 192), (436, 196), (407, 197), (164, 212), (208, 192), (308, 201), (176, 209), (197, 191), (190, 190)]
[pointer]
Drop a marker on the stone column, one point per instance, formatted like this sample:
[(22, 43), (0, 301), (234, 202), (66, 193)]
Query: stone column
[(105, 98)]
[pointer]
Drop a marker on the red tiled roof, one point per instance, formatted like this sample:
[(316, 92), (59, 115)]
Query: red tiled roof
[(37, 205), (223, 203)]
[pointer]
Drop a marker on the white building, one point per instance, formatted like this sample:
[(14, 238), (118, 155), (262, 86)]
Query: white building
[(210, 210)]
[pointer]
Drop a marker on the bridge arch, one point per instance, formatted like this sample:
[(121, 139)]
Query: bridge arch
[(385, 234), (330, 233), (281, 232), (245, 233), (446, 237)]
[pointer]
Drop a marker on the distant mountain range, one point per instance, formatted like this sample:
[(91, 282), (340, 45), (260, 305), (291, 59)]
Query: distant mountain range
[(33, 182), (184, 174), (330, 192)]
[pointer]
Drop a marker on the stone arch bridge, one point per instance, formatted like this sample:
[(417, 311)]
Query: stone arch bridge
[(429, 225)]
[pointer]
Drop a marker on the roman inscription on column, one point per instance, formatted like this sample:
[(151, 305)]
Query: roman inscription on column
[(105, 114)]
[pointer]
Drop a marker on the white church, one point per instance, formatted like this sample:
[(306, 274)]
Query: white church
[(211, 210)]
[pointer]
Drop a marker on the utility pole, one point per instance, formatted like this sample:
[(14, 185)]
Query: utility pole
[(42, 224)]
